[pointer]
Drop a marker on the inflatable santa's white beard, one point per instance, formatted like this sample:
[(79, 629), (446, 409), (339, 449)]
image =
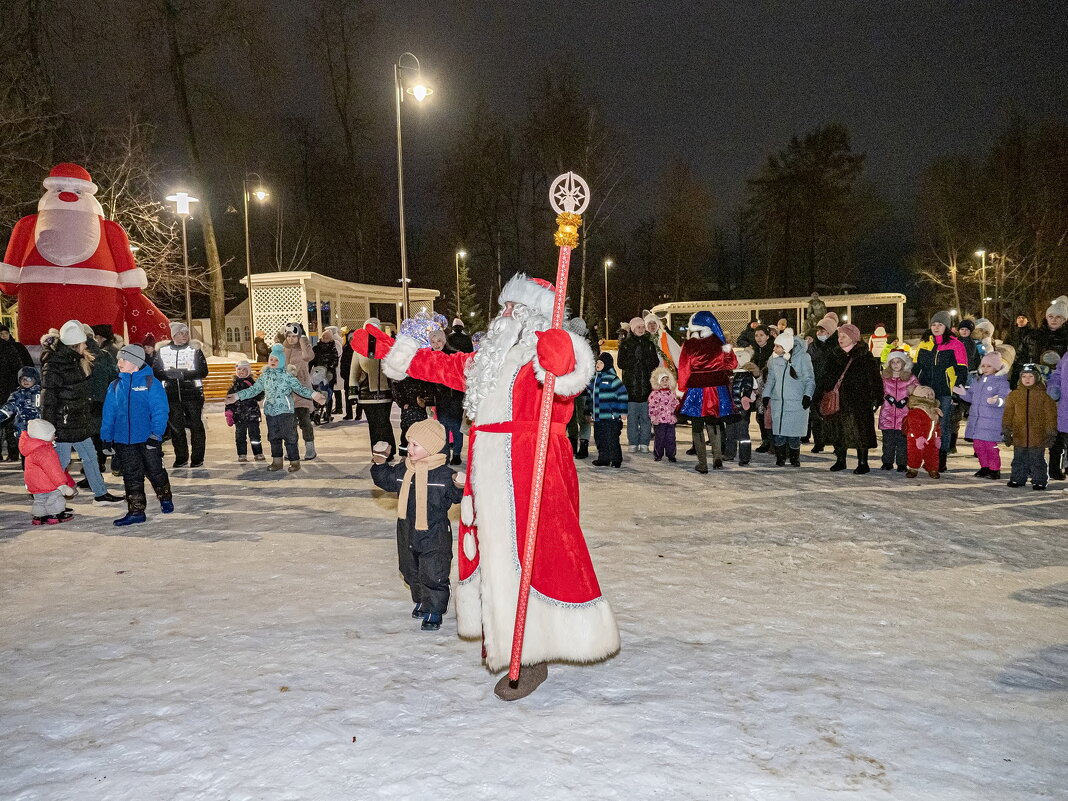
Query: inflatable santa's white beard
[(67, 236)]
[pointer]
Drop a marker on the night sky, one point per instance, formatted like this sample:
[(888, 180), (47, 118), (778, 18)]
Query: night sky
[(720, 85)]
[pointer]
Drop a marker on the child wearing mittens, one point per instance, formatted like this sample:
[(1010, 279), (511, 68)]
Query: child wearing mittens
[(898, 383), (1029, 426), (987, 396), (662, 408), (923, 434), (244, 415), (427, 488), (45, 477)]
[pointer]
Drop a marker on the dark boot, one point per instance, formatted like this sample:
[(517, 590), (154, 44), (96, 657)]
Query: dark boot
[(795, 457), (574, 445), (839, 461), (765, 446), (982, 472), (862, 462), (942, 461), (583, 449), (530, 678), (745, 453), (780, 456)]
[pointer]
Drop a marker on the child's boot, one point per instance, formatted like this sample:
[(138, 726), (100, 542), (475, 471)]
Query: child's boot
[(260, 457), (276, 464), (294, 466), (242, 458), (432, 622), (131, 518), (994, 474), (910, 473)]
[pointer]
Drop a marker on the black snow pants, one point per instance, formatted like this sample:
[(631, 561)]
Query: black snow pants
[(138, 461), (425, 559)]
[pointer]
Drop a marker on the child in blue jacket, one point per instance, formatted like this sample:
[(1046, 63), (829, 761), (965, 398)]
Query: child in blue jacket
[(608, 398), (24, 404), (136, 411)]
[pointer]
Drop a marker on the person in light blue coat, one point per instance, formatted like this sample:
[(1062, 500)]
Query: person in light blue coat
[(788, 392)]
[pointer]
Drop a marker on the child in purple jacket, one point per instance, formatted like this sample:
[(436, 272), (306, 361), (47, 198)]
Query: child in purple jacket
[(987, 396)]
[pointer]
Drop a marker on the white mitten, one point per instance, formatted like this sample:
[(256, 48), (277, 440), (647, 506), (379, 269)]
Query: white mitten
[(67, 490), (459, 477)]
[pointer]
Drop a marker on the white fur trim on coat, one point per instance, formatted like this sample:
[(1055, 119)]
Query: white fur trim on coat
[(467, 512), (578, 379), (400, 356), (521, 289)]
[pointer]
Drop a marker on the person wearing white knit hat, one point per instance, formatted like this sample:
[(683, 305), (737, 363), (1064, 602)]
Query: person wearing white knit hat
[(788, 393), (48, 482)]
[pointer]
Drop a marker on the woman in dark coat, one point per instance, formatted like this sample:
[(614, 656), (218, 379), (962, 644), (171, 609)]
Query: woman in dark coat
[(763, 349), (860, 392), (66, 403)]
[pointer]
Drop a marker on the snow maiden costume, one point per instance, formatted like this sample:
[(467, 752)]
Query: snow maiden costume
[(568, 618)]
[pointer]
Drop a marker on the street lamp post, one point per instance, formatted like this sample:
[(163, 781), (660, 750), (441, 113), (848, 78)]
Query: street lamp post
[(419, 91), (260, 195), (982, 283), (607, 264), (460, 254), (181, 201)]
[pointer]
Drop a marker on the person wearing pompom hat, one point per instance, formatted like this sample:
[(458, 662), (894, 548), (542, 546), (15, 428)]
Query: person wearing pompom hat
[(987, 395), (637, 358), (941, 364), (136, 416), (426, 489), (820, 349), (182, 368), (68, 260), (298, 358), (46, 479), (66, 402), (848, 394), (788, 392), (898, 383), (244, 416), (278, 386)]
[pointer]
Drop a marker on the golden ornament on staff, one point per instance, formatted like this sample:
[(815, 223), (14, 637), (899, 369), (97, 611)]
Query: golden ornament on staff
[(566, 235)]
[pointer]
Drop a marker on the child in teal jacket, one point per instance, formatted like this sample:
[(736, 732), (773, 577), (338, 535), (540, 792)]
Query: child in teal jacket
[(278, 388)]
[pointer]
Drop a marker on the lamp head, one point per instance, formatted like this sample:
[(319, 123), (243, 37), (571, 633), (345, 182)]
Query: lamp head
[(462, 254), (261, 194), (181, 201), (420, 91)]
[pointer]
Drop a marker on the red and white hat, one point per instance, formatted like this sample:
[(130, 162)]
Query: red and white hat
[(70, 176), (535, 293)]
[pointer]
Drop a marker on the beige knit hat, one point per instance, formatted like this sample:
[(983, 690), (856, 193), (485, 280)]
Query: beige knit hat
[(428, 433)]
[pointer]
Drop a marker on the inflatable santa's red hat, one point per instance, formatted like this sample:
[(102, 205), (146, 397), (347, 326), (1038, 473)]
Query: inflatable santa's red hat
[(70, 176)]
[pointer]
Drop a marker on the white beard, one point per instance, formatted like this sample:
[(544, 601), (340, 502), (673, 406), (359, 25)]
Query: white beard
[(487, 366), (66, 237)]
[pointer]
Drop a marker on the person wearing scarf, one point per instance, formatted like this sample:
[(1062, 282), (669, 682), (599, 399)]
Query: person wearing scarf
[(424, 535)]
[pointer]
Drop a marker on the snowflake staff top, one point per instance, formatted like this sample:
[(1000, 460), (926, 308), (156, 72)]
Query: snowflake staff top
[(569, 194)]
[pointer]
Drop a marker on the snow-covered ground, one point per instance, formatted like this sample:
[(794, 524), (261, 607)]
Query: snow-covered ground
[(787, 634)]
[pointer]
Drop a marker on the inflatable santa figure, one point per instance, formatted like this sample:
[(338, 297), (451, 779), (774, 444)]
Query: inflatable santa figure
[(66, 262), (568, 619)]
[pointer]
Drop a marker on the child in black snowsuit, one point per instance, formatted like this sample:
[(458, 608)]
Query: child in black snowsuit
[(426, 489), (412, 396), (244, 415)]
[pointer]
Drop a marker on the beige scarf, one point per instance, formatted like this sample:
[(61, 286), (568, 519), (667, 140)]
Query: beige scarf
[(419, 471)]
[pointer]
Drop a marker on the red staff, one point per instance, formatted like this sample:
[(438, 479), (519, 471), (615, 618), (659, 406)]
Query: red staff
[(569, 196)]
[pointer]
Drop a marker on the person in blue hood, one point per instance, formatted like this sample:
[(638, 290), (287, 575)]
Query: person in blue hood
[(136, 411)]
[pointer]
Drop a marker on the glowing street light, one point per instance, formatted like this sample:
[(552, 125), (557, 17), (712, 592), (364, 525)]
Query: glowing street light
[(182, 201), (982, 282), (418, 89), (607, 263), (460, 254)]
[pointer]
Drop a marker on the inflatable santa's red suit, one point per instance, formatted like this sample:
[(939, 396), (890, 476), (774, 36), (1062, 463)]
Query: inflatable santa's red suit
[(568, 619), (66, 262)]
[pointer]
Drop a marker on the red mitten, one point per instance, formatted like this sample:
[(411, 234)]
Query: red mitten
[(555, 351), (361, 342), (230, 417)]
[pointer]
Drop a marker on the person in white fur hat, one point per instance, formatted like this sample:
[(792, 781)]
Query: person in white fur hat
[(568, 619)]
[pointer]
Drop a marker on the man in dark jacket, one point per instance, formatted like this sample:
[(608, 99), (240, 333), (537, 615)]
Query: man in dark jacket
[(822, 348), (105, 370), (345, 367), (449, 403), (182, 368), (66, 403), (637, 358), (458, 339), (13, 357)]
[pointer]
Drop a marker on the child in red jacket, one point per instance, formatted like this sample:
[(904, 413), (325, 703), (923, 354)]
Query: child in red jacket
[(922, 433), (45, 478)]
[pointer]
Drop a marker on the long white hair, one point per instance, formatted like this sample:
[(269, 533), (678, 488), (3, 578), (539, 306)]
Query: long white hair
[(485, 370)]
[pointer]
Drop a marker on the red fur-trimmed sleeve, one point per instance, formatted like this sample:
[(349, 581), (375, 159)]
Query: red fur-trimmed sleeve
[(441, 368)]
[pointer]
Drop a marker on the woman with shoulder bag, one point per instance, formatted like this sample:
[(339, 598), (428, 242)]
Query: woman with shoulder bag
[(849, 391)]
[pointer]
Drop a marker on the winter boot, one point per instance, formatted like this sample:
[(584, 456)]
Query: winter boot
[(574, 445), (432, 622), (583, 449), (717, 464), (242, 459), (795, 457), (994, 475), (276, 464), (839, 461), (745, 453), (934, 474), (131, 518), (886, 466), (765, 446), (260, 457), (942, 455), (309, 452), (418, 611), (780, 456), (294, 466), (530, 678), (982, 472), (910, 473), (862, 462), (166, 506)]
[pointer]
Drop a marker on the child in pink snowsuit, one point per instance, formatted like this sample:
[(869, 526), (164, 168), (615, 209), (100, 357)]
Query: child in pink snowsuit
[(987, 396), (898, 383), (662, 407)]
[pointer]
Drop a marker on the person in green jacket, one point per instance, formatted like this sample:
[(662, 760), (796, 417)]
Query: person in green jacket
[(278, 388)]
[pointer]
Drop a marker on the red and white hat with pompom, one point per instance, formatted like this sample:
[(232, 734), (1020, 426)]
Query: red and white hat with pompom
[(70, 176), (535, 293)]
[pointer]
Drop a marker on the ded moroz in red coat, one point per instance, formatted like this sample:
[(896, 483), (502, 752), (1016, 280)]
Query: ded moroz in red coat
[(568, 619), (68, 263)]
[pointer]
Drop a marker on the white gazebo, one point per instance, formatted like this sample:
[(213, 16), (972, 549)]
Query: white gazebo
[(316, 301)]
